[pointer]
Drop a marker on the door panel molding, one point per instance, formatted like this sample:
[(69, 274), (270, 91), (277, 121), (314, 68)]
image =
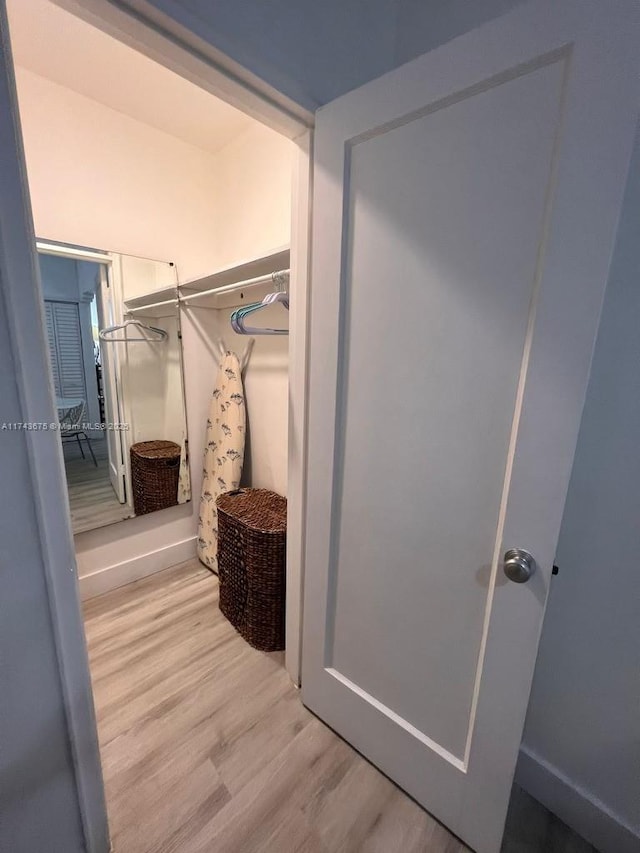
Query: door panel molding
[(459, 757)]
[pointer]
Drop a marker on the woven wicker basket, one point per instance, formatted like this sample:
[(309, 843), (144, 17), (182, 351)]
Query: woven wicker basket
[(155, 470), (252, 537)]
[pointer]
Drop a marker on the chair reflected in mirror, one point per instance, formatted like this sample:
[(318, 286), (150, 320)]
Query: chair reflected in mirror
[(71, 418)]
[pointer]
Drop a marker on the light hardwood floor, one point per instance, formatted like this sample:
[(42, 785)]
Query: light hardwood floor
[(92, 500), (206, 747)]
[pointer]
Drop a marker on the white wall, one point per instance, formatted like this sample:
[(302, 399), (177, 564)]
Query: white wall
[(253, 177), (582, 737), (581, 748), (253, 217), (101, 179), (59, 278)]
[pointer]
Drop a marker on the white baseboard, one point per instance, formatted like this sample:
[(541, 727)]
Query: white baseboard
[(139, 567), (579, 809)]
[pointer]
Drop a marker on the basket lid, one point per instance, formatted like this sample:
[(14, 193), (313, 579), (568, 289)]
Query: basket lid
[(156, 449), (260, 509)]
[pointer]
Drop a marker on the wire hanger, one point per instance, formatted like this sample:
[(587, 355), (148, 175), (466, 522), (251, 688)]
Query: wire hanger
[(155, 333)]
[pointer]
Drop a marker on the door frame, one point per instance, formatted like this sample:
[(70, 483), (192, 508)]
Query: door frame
[(24, 306), (106, 261), (166, 42)]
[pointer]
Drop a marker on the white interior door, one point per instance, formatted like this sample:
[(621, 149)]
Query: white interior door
[(465, 209), (108, 356)]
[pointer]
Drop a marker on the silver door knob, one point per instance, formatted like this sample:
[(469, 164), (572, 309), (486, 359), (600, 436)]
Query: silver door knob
[(519, 565)]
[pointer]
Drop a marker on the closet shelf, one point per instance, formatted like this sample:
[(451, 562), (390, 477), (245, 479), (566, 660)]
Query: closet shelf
[(159, 303), (225, 279)]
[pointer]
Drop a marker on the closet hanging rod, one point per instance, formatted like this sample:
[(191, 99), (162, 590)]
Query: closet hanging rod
[(229, 288), (151, 305)]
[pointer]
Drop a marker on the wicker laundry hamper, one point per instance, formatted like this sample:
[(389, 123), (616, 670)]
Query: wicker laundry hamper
[(155, 470), (252, 538)]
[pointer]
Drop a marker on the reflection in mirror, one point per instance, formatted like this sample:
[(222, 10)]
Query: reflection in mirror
[(113, 329)]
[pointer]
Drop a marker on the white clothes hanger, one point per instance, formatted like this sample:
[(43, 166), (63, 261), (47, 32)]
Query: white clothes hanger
[(238, 316), (155, 333)]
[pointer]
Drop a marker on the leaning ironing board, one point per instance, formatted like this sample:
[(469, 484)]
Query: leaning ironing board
[(223, 451)]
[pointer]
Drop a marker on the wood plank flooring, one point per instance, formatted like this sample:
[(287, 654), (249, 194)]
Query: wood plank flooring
[(92, 500), (206, 747)]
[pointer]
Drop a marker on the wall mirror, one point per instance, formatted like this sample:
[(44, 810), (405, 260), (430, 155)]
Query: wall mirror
[(113, 329)]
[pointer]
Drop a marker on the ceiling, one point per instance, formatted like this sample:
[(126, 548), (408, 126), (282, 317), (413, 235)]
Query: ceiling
[(55, 44)]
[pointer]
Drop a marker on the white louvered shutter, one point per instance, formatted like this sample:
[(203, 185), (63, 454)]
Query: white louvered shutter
[(65, 348)]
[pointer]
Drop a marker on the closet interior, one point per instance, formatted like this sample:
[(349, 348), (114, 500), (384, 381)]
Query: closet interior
[(126, 162)]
